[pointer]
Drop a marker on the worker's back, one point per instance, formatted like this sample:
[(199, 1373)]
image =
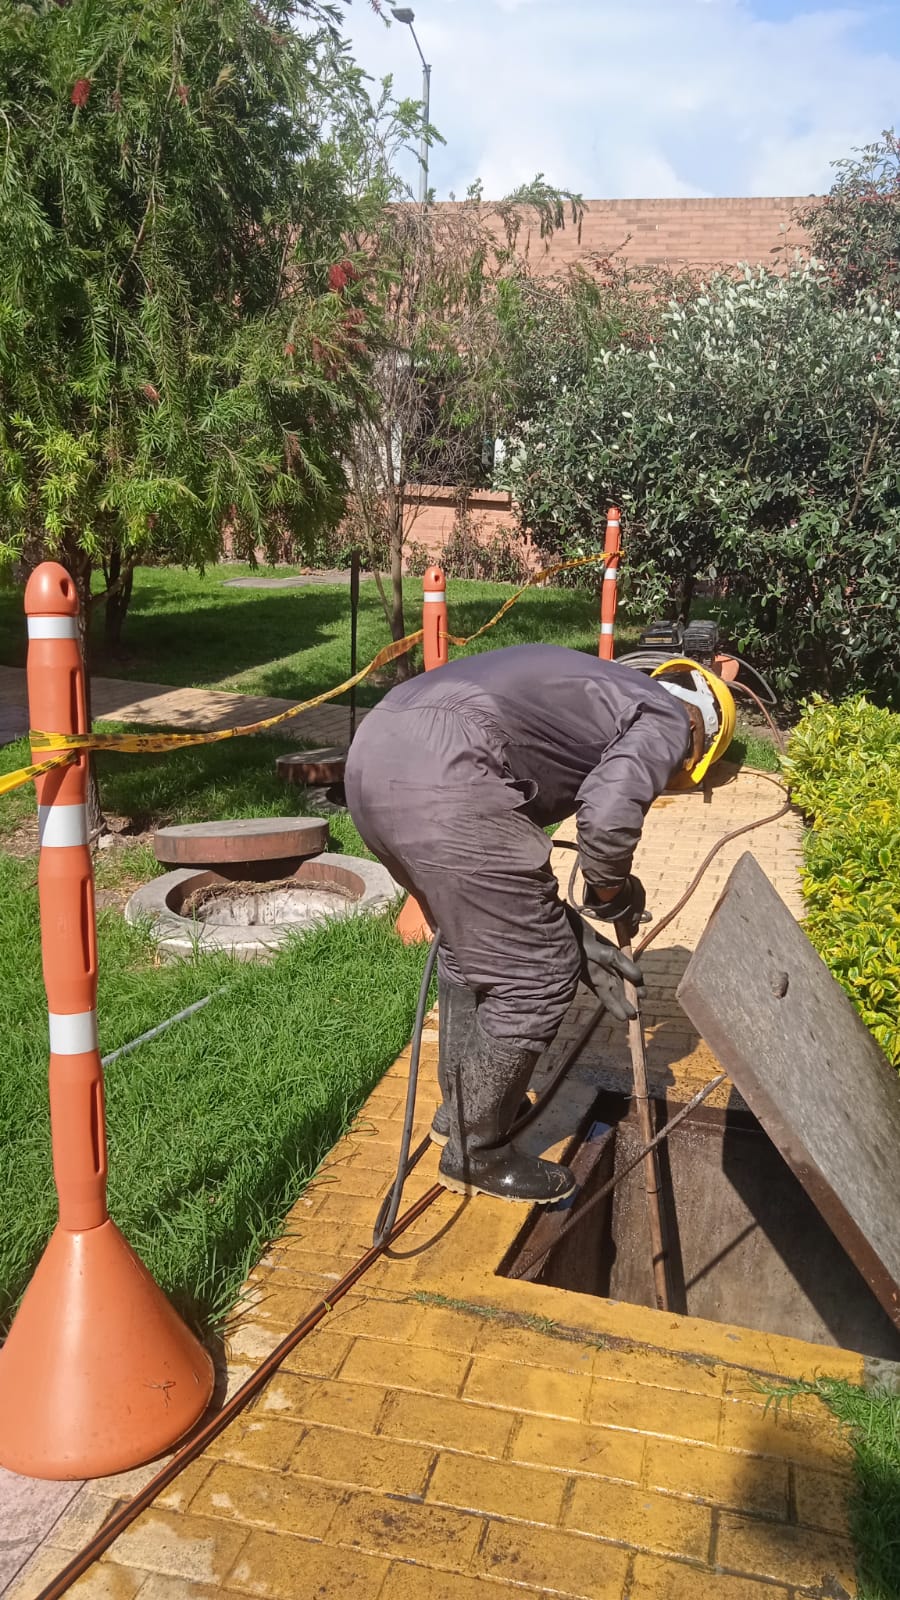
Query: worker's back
[(549, 713)]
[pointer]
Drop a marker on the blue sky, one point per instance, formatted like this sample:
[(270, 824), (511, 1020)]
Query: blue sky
[(633, 98)]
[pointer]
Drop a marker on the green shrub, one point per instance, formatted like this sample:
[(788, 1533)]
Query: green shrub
[(844, 767)]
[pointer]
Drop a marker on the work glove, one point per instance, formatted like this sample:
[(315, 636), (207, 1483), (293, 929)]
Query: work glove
[(603, 968), (626, 909)]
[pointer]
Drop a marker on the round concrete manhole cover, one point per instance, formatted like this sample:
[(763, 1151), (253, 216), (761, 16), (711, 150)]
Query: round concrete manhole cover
[(248, 839), (313, 768)]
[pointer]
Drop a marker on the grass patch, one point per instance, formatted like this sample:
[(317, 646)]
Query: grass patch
[(189, 629), (215, 1127), (750, 749), (872, 1421)]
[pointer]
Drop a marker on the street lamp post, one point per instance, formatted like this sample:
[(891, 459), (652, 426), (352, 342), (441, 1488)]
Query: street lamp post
[(405, 15)]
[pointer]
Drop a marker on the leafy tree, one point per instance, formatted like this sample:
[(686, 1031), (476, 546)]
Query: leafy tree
[(753, 441), (557, 325), (440, 381), (854, 230), (173, 215)]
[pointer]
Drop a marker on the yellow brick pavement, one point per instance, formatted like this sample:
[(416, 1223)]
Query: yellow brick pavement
[(448, 1434)]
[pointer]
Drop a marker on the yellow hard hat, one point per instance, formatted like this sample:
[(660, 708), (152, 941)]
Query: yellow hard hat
[(714, 699)]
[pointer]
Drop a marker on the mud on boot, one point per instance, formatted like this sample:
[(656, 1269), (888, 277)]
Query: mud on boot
[(486, 1084), (457, 1006)]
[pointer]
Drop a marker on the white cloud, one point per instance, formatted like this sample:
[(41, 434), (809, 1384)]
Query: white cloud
[(624, 98)]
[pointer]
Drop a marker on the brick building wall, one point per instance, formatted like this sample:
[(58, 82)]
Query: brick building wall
[(692, 233), (430, 514)]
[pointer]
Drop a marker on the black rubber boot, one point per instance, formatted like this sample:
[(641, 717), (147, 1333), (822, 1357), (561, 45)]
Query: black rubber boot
[(457, 1006), (485, 1087)]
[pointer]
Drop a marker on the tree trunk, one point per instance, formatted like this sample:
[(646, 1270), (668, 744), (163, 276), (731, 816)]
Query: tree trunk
[(687, 595), (79, 566), (398, 628), (119, 576)]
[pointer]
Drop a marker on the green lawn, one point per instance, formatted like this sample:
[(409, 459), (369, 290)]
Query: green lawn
[(215, 1127), (236, 778), (188, 629)]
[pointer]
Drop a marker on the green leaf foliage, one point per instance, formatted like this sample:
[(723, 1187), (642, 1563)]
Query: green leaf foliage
[(855, 227), (181, 342), (751, 432), (843, 764)]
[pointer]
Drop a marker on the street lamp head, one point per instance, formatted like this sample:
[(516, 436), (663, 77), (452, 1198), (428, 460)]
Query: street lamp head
[(403, 14)]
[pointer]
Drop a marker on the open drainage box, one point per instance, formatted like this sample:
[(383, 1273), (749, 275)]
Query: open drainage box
[(249, 909), (746, 1244), (781, 1213)]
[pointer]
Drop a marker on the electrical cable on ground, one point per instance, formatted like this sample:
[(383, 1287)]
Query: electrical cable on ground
[(154, 1033)]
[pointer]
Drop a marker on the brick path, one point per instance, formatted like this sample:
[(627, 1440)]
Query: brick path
[(159, 705), (447, 1434)]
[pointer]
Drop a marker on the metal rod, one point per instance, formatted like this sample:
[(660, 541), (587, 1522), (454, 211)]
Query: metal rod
[(522, 1267), (354, 620), (658, 1246), (153, 1033)]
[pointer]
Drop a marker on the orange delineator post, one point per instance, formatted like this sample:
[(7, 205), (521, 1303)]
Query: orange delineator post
[(609, 591), (412, 924), (434, 618), (98, 1373)]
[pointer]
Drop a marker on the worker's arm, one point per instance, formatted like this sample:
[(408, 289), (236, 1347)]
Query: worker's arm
[(615, 797)]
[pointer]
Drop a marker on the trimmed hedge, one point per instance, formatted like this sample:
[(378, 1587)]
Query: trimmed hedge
[(843, 764)]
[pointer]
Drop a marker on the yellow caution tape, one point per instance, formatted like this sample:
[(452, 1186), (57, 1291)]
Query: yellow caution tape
[(14, 780), (66, 745), (156, 743)]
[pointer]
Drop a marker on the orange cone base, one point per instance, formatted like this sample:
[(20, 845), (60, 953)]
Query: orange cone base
[(99, 1373), (411, 924)]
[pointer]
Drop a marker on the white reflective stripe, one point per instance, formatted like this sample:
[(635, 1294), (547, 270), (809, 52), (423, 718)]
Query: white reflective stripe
[(610, 575), (607, 627), (52, 628), (440, 595), (73, 1035), (59, 827)]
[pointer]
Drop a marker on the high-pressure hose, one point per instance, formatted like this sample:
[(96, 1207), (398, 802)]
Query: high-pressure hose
[(387, 1215)]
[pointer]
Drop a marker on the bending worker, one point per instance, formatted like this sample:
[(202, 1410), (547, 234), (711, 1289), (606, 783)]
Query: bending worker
[(451, 781)]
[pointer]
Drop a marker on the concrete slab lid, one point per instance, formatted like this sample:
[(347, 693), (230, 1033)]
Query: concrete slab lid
[(246, 839), (313, 767), (807, 1066)]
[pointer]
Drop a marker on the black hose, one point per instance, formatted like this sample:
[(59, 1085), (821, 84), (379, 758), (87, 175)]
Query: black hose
[(387, 1215)]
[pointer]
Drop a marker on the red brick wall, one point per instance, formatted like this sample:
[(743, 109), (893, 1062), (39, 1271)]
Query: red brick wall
[(695, 233), (431, 512)]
